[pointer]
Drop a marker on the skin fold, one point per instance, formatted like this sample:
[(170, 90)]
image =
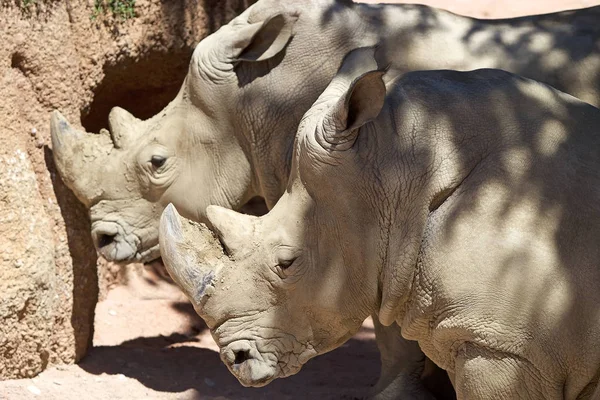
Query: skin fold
[(228, 135), (461, 206)]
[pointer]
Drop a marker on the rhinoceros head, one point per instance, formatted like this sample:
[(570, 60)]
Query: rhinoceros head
[(104, 173), (189, 154), (267, 308), (295, 282)]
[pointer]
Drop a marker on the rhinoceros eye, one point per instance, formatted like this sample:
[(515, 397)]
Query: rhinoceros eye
[(158, 161), (285, 264)]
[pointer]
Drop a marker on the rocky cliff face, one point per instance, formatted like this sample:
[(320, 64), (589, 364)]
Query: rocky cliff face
[(69, 55)]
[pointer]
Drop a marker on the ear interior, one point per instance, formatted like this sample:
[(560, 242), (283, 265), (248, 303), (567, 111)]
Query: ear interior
[(362, 103), (364, 100), (267, 39)]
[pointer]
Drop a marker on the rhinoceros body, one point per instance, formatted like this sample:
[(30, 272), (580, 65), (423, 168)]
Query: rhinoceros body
[(463, 206)]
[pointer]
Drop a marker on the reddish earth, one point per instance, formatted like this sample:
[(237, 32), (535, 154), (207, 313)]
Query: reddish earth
[(150, 344)]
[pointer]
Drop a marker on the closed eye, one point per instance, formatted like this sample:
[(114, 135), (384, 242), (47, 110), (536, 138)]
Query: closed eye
[(285, 264)]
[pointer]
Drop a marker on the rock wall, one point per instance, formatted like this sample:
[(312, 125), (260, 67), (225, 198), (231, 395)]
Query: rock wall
[(63, 55)]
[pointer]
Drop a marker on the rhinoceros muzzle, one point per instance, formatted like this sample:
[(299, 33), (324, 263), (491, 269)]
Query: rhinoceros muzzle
[(248, 365), (114, 243)]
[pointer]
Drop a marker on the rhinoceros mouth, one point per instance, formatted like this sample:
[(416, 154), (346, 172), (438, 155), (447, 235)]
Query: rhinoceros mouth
[(121, 244), (250, 366), (132, 255), (149, 255), (255, 366)]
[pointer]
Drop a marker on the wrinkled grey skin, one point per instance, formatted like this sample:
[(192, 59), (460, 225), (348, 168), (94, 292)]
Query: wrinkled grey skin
[(463, 206), (228, 135)]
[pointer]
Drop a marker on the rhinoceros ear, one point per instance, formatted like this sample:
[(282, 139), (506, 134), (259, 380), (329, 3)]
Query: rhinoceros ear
[(362, 103), (264, 40)]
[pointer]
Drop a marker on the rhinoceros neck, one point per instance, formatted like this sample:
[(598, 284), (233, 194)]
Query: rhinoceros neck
[(281, 97), (428, 143)]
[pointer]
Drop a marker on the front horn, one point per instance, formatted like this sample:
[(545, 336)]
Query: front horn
[(191, 253), (79, 157)]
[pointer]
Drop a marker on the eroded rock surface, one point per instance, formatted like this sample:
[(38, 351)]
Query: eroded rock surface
[(54, 55)]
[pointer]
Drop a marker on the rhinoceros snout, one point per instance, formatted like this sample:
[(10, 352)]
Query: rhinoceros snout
[(248, 364), (113, 243)]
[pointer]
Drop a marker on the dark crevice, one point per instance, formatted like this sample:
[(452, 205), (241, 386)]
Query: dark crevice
[(83, 254), (17, 61), (23, 311), (143, 86)]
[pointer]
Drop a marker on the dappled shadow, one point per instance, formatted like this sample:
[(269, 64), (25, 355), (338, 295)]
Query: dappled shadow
[(170, 364), (531, 205), (561, 49), (512, 243)]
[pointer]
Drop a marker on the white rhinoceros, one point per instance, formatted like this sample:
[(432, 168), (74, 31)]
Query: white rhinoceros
[(228, 135), (463, 206)]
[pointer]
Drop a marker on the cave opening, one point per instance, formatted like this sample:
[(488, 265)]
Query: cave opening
[(142, 86)]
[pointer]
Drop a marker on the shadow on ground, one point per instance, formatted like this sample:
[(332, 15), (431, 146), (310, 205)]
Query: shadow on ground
[(174, 364)]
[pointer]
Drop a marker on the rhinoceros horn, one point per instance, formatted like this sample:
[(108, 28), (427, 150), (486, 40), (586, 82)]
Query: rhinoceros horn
[(121, 124), (76, 155), (191, 253), (233, 228)]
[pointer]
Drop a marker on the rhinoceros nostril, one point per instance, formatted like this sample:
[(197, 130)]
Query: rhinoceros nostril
[(105, 240), (241, 356)]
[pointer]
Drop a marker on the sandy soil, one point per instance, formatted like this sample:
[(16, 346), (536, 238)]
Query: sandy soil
[(150, 344)]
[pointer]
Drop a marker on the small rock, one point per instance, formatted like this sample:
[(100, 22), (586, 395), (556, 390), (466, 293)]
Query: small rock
[(33, 132), (34, 390), (209, 382), (112, 312), (57, 383), (39, 144)]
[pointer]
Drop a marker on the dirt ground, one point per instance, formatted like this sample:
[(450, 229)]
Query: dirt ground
[(150, 344)]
